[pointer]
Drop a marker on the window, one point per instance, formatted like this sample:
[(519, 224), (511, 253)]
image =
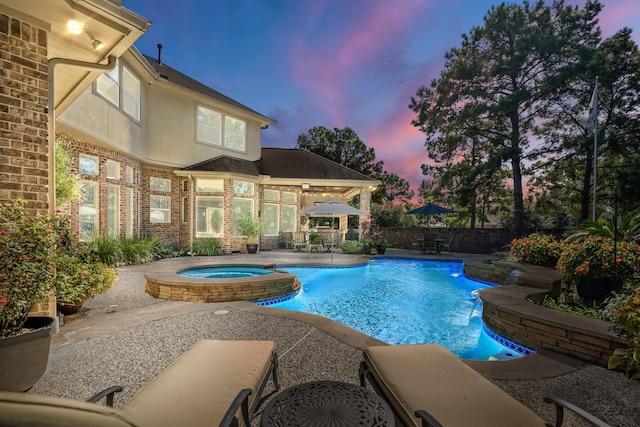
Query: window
[(128, 212), (241, 209), (209, 126), (88, 165), (185, 185), (121, 88), (234, 133), (113, 169), (209, 217), (113, 211), (160, 184), (130, 94), (242, 187), (209, 185), (288, 218), (88, 210), (128, 174), (159, 209), (108, 86), (271, 219), (288, 197), (185, 209), (271, 195)]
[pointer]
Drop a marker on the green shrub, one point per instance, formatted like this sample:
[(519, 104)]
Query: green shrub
[(628, 316), (206, 247), (78, 277), (315, 238), (351, 247), (106, 249)]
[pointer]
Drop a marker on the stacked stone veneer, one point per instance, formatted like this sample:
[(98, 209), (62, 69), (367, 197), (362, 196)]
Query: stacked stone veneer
[(180, 288), (23, 119), (510, 311)]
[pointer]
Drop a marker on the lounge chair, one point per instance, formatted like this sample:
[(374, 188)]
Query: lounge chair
[(214, 383), (446, 246), (427, 385)]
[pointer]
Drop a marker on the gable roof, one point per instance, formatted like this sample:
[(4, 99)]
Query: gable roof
[(282, 163), (175, 76)]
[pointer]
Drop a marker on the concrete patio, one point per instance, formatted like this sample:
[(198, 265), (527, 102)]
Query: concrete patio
[(126, 337)]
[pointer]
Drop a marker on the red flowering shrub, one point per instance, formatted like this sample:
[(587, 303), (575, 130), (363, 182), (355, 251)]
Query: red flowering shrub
[(536, 249)]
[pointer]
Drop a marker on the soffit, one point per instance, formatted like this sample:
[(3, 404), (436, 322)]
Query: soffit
[(110, 23)]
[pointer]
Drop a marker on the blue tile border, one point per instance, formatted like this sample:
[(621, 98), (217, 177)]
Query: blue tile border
[(484, 282), (277, 300), (506, 342), (364, 264)]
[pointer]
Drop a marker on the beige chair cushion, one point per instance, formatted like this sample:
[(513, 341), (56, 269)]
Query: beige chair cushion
[(26, 409), (430, 377), (200, 385)]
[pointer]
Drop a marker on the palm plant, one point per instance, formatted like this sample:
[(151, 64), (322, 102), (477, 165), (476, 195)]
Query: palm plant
[(628, 229)]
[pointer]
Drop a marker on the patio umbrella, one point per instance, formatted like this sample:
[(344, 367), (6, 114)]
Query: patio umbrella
[(430, 209), (333, 208)]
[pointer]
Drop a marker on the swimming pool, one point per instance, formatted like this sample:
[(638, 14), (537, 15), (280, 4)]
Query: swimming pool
[(225, 271), (402, 301)]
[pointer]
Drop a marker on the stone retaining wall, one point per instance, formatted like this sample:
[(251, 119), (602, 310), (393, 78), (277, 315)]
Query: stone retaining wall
[(507, 310), (218, 290)]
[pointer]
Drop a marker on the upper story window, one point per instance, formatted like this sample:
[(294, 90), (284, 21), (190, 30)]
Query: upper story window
[(88, 165), (160, 184), (289, 197), (128, 174), (271, 195), (211, 127), (122, 89)]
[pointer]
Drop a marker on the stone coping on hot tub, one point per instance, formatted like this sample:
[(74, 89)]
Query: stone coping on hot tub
[(165, 283)]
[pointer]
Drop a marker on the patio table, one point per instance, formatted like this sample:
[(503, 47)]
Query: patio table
[(327, 403)]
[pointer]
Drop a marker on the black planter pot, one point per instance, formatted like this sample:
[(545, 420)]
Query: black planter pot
[(24, 357), (380, 250), (252, 248), (597, 290)]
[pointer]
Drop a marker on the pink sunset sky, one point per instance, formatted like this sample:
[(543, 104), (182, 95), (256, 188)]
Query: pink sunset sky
[(332, 63)]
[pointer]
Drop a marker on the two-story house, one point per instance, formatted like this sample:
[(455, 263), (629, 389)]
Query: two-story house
[(161, 154)]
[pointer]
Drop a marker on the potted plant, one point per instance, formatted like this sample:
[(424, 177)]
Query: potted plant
[(597, 266), (27, 251), (78, 278), (378, 241), (250, 227)]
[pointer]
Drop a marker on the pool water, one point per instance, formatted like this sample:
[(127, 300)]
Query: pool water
[(401, 301), (225, 272)]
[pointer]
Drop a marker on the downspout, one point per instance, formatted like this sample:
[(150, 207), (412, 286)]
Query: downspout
[(192, 212), (51, 105)]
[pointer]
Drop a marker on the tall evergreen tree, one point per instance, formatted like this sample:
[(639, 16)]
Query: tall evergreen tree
[(495, 85)]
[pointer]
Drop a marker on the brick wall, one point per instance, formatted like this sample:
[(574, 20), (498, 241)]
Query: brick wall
[(23, 119)]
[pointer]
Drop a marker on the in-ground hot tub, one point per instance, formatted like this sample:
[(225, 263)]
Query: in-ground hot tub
[(220, 283)]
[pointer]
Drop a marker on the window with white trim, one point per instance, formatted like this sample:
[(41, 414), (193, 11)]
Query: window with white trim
[(215, 128), (159, 209), (160, 184), (209, 126), (234, 133), (88, 165), (88, 210), (271, 219), (113, 169), (271, 195), (209, 216), (241, 208), (243, 187), (209, 185), (128, 213), (288, 218), (128, 174), (289, 197), (130, 94), (122, 89), (113, 211)]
